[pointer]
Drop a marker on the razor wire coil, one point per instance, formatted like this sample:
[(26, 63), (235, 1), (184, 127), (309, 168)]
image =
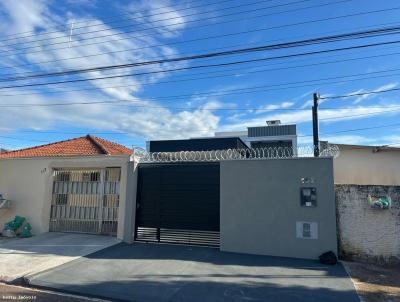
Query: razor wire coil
[(236, 154)]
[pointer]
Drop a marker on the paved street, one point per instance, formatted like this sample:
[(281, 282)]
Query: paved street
[(151, 272)]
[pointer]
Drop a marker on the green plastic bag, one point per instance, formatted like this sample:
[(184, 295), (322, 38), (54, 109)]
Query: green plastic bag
[(15, 224), (26, 231), (380, 202)]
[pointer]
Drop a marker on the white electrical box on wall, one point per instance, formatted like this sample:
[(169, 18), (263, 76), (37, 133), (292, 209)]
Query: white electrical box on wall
[(306, 230)]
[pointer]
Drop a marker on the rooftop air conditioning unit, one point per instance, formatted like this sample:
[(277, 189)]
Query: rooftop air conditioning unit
[(273, 123)]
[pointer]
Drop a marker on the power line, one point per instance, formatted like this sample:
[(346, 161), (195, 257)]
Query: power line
[(364, 128), (131, 103), (227, 75), (224, 35), (253, 89), (337, 118), (200, 13), (163, 27), (193, 40), (35, 34), (314, 41), (79, 22), (202, 130), (245, 72), (234, 91), (199, 130), (359, 94), (186, 68), (167, 25), (210, 72), (355, 129), (104, 53)]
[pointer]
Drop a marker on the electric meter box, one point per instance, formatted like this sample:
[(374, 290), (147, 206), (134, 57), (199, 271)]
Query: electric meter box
[(308, 197)]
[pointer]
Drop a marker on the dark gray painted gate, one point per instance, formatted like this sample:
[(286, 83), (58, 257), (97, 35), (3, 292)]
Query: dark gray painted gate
[(178, 203)]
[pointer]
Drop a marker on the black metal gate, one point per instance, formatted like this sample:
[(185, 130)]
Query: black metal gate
[(178, 203)]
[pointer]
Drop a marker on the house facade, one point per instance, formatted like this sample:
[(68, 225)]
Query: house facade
[(78, 185)]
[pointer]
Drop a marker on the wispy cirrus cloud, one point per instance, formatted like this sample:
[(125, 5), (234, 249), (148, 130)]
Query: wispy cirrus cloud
[(160, 14), (283, 105), (369, 96), (143, 122)]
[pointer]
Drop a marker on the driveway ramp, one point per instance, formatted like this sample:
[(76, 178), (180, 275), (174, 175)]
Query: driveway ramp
[(160, 272)]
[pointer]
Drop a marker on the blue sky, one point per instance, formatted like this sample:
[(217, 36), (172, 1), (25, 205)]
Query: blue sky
[(197, 102)]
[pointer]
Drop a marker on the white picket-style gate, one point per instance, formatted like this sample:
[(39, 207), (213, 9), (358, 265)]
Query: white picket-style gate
[(85, 201)]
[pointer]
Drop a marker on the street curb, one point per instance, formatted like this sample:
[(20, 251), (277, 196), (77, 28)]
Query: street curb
[(348, 273)]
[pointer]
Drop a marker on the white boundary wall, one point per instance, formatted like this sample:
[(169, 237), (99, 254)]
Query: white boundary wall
[(366, 233)]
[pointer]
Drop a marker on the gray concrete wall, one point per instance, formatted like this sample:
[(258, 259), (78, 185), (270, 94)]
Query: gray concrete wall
[(27, 182), (365, 233), (260, 205)]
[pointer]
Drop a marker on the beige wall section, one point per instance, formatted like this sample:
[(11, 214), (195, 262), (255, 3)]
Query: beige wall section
[(130, 207), (28, 184), (260, 205), (362, 165)]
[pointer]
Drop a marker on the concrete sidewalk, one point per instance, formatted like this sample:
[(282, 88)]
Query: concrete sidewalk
[(157, 272), (18, 293), (23, 257)]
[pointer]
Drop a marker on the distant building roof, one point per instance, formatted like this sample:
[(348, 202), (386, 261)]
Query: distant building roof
[(376, 148), (82, 146)]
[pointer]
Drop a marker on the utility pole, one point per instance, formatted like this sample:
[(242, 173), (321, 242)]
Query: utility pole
[(315, 124)]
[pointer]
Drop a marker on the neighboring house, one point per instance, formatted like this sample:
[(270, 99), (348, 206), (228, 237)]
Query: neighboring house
[(274, 135), (82, 146), (76, 185), (367, 165), (362, 174)]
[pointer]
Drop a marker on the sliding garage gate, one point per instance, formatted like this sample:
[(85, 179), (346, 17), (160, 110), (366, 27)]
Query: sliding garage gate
[(85, 201), (178, 203)]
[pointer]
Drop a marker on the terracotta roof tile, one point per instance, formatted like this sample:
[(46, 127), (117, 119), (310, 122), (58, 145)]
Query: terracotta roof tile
[(82, 146)]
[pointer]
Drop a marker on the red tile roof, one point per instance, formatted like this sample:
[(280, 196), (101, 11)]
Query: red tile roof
[(82, 146)]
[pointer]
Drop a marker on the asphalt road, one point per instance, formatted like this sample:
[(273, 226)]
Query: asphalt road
[(151, 272)]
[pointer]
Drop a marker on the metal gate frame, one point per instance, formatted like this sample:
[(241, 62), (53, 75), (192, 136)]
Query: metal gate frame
[(85, 200), (159, 227)]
